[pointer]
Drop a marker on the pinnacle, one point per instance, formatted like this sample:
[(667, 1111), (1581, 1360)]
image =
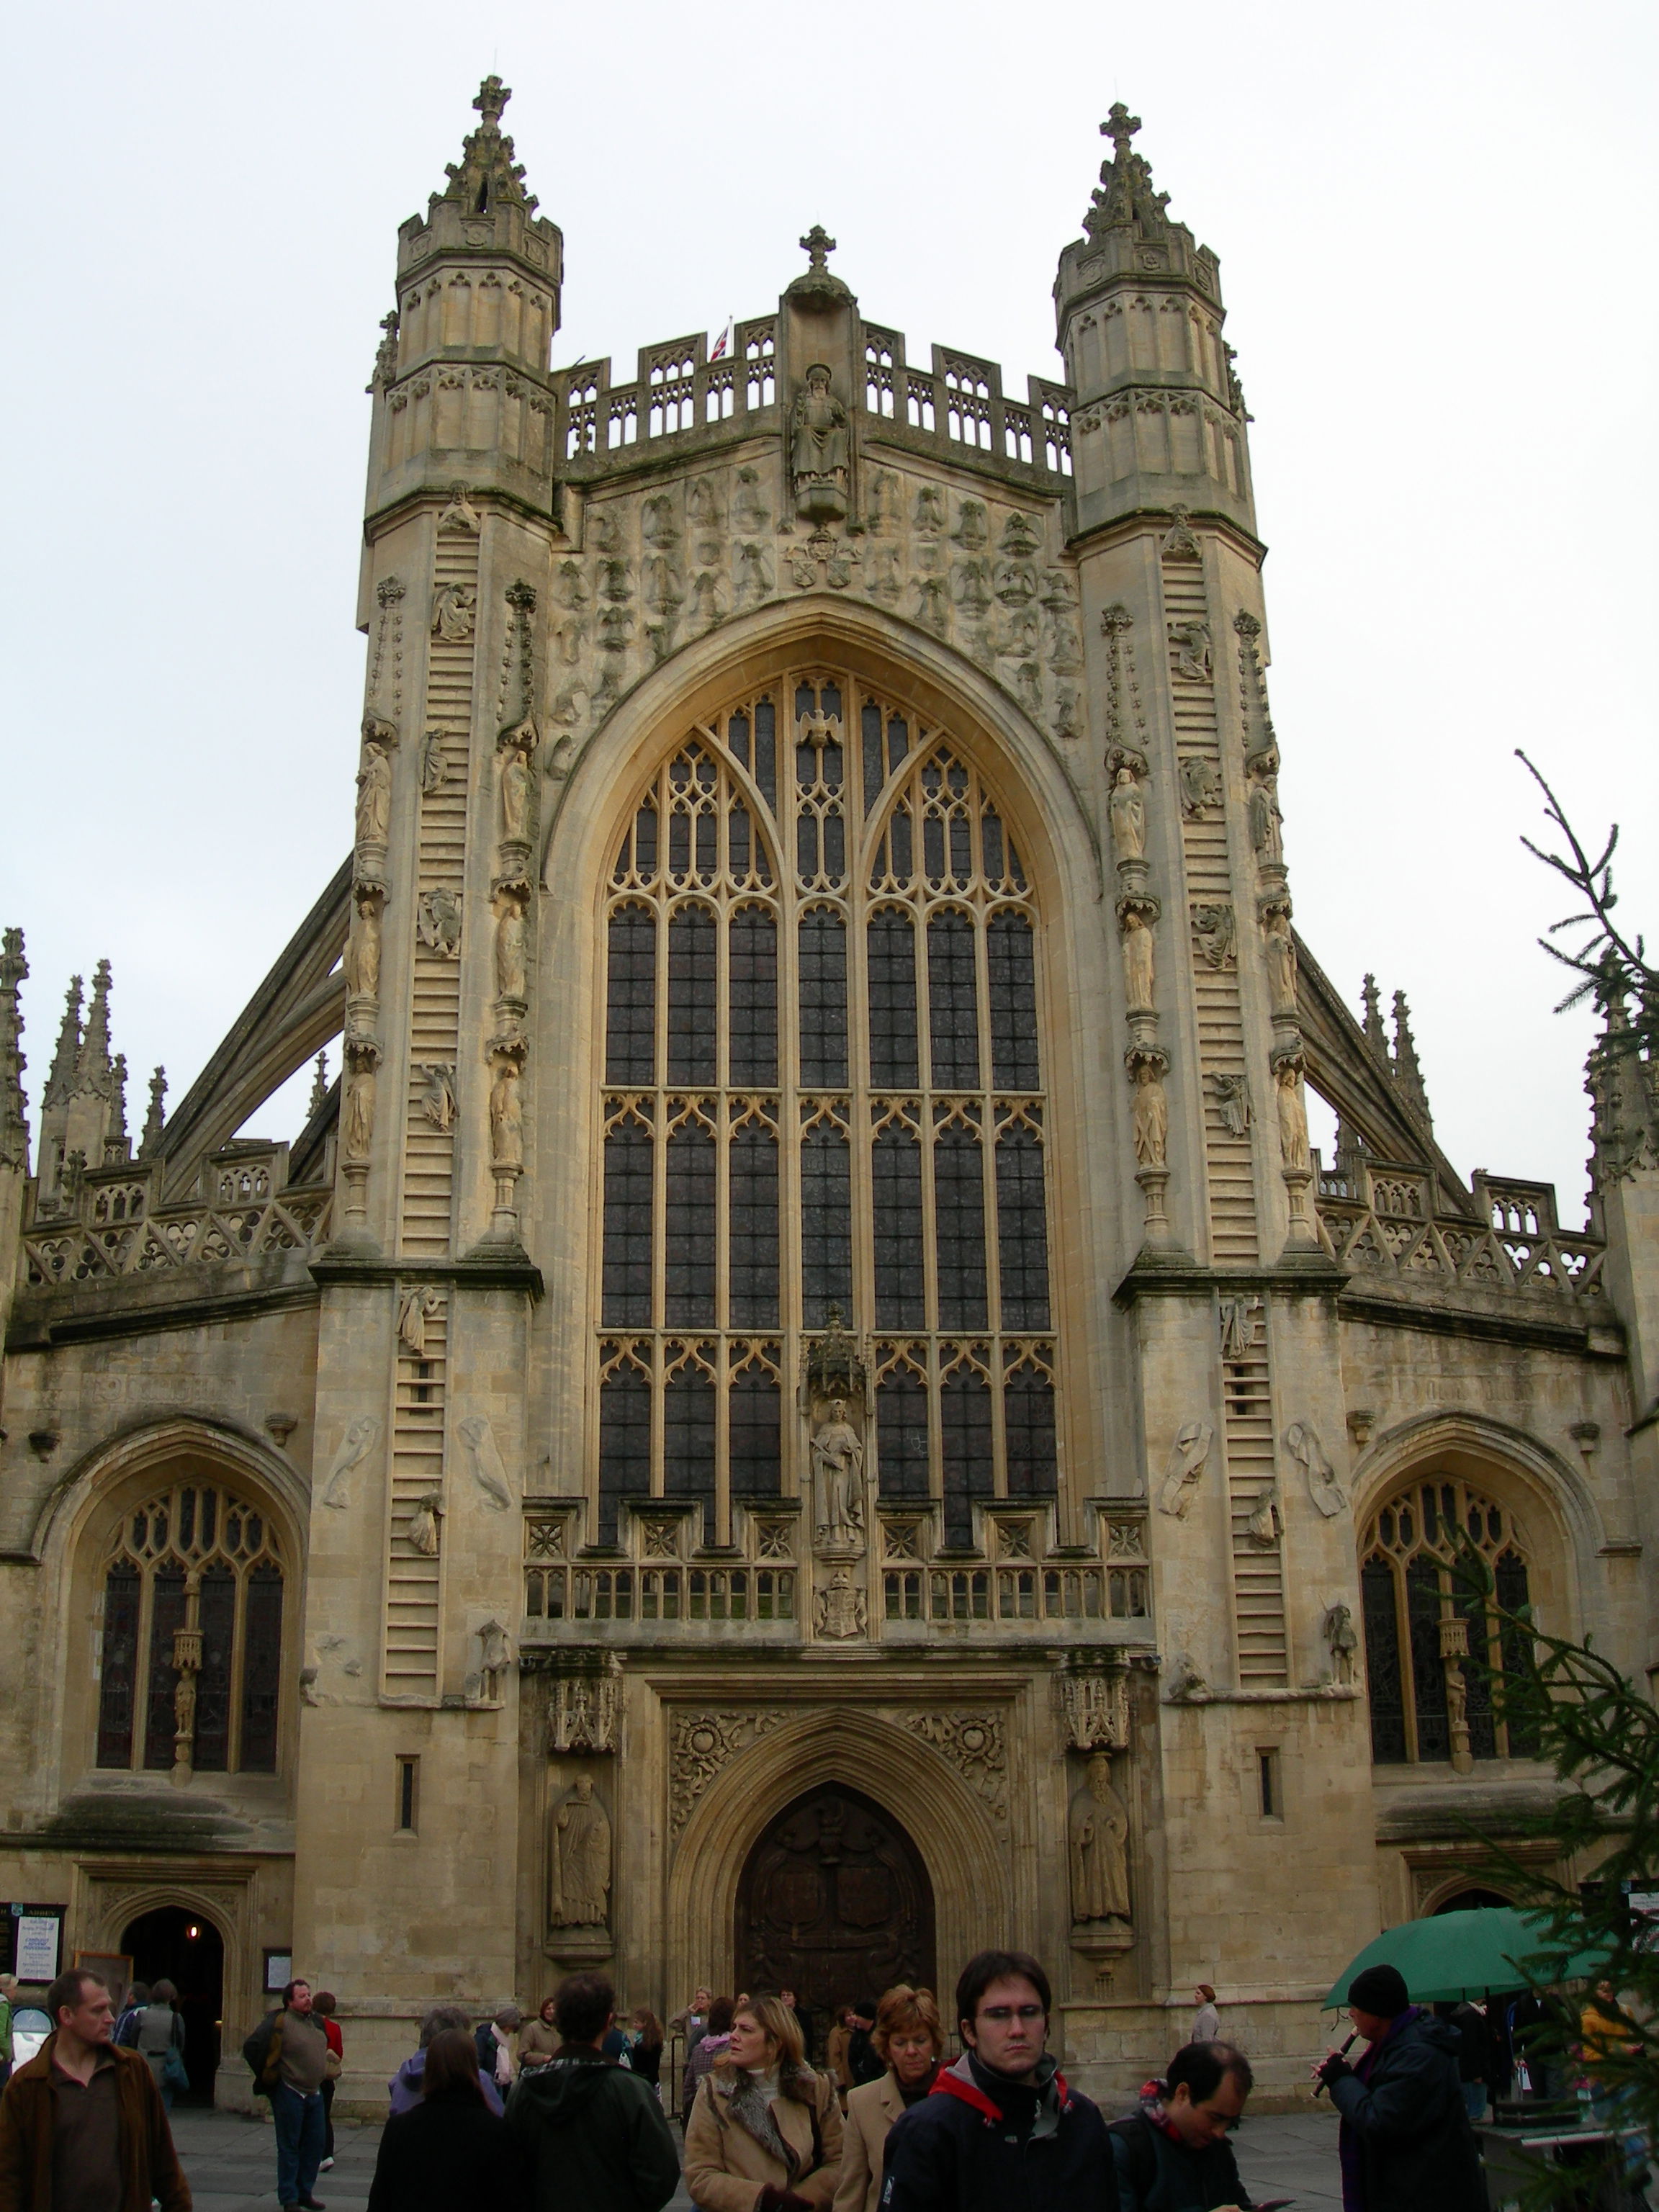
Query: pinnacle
[(487, 176), (1125, 199)]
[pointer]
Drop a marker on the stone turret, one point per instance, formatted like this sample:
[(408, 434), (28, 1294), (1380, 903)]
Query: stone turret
[(1158, 418), (13, 1106), (460, 382), (150, 1144)]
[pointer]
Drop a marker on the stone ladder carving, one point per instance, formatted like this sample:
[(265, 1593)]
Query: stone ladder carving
[(413, 1572), (1254, 1516)]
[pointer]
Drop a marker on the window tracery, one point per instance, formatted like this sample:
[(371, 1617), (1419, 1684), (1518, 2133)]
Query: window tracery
[(822, 1089), (1420, 1626), (192, 1596)]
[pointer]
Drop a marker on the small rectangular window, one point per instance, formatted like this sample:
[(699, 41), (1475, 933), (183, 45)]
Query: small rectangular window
[(409, 1795), (1273, 1799)]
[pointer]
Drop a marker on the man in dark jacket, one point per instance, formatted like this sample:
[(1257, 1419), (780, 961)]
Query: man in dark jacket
[(82, 2123), (1173, 2154), (592, 2134), (1000, 2131), (1406, 2144)]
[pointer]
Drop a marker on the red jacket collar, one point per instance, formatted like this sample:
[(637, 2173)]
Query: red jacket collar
[(949, 2083)]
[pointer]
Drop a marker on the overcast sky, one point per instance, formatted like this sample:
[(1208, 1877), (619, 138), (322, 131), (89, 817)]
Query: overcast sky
[(1435, 226)]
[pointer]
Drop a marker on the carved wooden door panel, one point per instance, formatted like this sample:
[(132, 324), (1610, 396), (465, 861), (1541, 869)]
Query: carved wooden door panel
[(834, 1903)]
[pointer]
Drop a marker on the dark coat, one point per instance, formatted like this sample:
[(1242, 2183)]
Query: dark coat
[(1155, 2173), (446, 2151), (148, 2165), (1407, 2124), (953, 2152), (592, 2134)]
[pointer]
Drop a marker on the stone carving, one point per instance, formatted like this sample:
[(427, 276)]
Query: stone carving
[(700, 1744), (581, 1859), (362, 959), (423, 1523), (1303, 1446), (1216, 928), (418, 1304), (485, 1458), (838, 1483), (434, 762), (1152, 1110), (823, 560), (495, 1657), (360, 1439), (585, 1711), (1187, 1686), (1266, 823), (454, 613), (1095, 1703), (1181, 544), (1184, 1468), (1140, 956), (1238, 1318), (973, 1743), (748, 509), (1200, 785), (506, 1117), (1292, 1115), (1341, 1641), (1063, 643), (1099, 1840), (517, 781), (373, 795), (820, 449), (461, 513), (754, 574), (1232, 1101), (1265, 1524), (1279, 946), (438, 1099), (841, 1611), (1128, 815), (438, 922), (1126, 721), (1194, 654), (510, 944), (337, 1658), (357, 1119)]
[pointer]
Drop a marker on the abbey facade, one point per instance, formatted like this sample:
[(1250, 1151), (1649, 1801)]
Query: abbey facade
[(801, 1404)]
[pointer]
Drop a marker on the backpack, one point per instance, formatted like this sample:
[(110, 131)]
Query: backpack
[(1139, 2160), (256, 2050)]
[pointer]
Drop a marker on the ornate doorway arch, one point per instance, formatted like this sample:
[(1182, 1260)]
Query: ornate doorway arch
[(835, 1903)]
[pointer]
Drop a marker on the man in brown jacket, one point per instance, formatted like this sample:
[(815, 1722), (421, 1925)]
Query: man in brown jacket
[(81, 2125)]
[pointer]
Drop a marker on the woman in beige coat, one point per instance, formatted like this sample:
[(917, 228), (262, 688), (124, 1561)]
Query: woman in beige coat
[(764, 2134), (908, 2035)]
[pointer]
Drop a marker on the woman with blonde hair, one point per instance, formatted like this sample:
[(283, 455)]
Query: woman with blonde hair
[(910, 2037), (764, 2133)]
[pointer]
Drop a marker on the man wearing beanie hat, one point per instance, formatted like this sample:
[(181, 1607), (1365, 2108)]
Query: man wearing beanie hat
[(1405, 2145)]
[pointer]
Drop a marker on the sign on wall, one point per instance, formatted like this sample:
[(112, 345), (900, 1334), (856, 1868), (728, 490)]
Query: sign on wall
[(34, 1935)]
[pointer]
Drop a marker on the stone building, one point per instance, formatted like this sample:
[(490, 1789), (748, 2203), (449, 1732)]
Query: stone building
[(802, 1403)]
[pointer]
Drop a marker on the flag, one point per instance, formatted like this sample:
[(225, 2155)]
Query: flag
[(722, 341)]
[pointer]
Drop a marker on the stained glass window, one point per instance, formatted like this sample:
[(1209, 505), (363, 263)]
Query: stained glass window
[(820, 905), (195, 1559)]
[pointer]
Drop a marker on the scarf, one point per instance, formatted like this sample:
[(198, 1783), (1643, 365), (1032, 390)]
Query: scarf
[(1152, 2110), (504, 2058), (751, 2106)]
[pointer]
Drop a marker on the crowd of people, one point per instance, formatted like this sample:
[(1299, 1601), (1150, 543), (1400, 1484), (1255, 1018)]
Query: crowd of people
[(567, 2108)]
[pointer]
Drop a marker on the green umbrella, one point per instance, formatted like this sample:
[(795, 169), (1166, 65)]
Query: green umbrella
[(1465, 1954)]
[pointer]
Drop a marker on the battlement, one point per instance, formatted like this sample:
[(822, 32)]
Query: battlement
[(680, 400)]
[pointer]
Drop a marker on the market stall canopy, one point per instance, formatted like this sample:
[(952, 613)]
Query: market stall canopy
[(1466, 1954)]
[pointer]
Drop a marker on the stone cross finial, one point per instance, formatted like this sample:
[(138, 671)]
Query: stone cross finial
[(817, 244), (493, 96), (1120, 127)]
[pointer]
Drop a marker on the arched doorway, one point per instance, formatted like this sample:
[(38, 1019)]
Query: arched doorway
[(835, 1903), (186, 1949), (1471, 1900)]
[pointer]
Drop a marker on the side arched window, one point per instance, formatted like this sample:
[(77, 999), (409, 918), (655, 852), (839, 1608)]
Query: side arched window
[(1422, 1627), (192, 1648)]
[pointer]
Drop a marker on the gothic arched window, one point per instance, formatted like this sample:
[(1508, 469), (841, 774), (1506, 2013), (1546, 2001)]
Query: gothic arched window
[(193, 1595), (1421, 1624), (822, 1096)]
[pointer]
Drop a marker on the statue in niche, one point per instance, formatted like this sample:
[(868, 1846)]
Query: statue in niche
[(506, 1118), (1280, 949), (434, 762), (510, 948), (1128, 812), (1099, 1847), (455, 612), (1139, 955), (838, 1482), (1266, 823), (1292, 1116), (357, 1131), (1194, 660), (373, 795), (495, 1657), (461, 513), (1457, 1700), (1341, 1641), (1151, 1115), (1201, 787), (361, 958), (819, 447), (438, 922), (518, 783), (580, 1858)]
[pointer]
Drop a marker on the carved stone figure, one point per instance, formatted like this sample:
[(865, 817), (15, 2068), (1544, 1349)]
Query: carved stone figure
[(1266, 823), (362, 959), (374, 796), (518, 788), (1292, 1116), (754, 574), (353, 1448), (819, 447), (581, 1859), (1184, 1468), (357, 1122), (1139, 959), (434, 762), (1095, 1701), (423, 1524), (438, 922), (495, 1657), (484, 1456), (585, 1710), (838, 1482), (1216, 927), (1201, 787), (1099, 1847), (1265, 1524), (1279, 946), (506, 1118), (1239, 1317), (455, 612), (1303, 1446), (416, 1306), (1128, 813), (438, 1099), (510, 948), (1341, 1641), (841, 1608), (1195, 660), (461, 513), (1151, 1115), (1232, 1101)]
